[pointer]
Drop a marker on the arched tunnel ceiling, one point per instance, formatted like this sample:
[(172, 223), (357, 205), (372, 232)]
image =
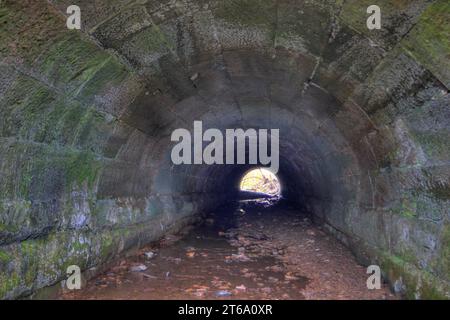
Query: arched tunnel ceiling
[(87, 117)]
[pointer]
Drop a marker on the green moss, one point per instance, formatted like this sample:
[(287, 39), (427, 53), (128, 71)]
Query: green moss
[(5, 257), (418, 283), (10, 178), (51, 127), (50, 256), (34, 113), (25, 106), (28, 248), (428, 40), (76, 168), (30, 276), (82, 167), (8, 283), (18, 211), (74, 125), (34, 169), (248, 12), (406, 208), (67, 59), (408, 256), (107, 246), (432, 288), (149, 41), (93, 131), (444, 258), (110, 74), (24, 184), (70, 121), (396, 268), (73, 61), (430, 292), (80, 246)]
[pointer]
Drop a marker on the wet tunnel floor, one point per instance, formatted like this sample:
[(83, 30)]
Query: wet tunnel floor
[(250, 253)]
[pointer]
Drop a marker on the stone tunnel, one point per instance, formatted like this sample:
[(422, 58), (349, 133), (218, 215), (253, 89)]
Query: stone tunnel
[(87, 116)]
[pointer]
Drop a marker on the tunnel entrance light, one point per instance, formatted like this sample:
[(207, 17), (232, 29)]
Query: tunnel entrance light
[(261, 180)]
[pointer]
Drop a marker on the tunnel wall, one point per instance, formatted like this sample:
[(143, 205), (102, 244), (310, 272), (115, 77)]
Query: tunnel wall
[(85, 170)]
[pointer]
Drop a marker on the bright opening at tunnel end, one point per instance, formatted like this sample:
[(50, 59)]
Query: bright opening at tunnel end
[(261, 180)]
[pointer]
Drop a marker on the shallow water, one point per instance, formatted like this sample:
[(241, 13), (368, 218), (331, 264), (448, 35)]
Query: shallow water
[(237, 254)]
